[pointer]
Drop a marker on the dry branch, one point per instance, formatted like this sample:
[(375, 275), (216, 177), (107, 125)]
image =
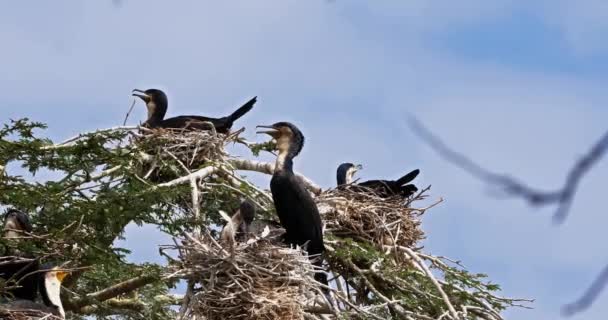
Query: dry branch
[(562, 197)]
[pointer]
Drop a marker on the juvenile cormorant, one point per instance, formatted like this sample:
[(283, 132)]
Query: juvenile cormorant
[(157, 103), (16, 270), (295, 206), (50, 287), (384, 188), (238, 228), (243, 224)]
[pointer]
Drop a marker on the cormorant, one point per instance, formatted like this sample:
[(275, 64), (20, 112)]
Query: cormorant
[(384, 188), (243, 225), (157, 103), (15, 223), (50, 287), (15, 270), (238, 228), (295, 206)]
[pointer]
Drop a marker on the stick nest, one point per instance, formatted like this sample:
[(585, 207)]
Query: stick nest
[(368, 217), (175, 149), (254, 280), (6, 314)]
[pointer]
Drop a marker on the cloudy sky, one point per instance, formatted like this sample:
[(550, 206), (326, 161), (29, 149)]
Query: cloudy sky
[(517, 85)]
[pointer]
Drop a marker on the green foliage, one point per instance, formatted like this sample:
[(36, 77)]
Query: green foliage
[(97, 187), (96, 190)]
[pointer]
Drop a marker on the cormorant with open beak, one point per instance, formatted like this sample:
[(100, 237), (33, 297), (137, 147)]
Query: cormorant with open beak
[(383, 188), (295, 206), (50, 288), (157, 103), (17, 271)]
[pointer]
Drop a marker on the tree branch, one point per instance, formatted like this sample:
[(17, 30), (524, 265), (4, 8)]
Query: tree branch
[(584, 302), (562, 197), (268, 168), (110, 292)]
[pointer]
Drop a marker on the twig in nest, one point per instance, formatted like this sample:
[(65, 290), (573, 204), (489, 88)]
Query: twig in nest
[(124, 123)]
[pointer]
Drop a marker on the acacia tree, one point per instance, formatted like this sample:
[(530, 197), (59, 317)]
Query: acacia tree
[(183, 183)]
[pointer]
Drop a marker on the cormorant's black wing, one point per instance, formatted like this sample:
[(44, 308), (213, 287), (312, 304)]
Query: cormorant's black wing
[(384, 188), (222, 125), (21, 272), (194, 123), (28, 306)]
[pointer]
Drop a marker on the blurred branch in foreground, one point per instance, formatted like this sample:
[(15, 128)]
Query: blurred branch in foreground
[(589, 297), (562, 197)]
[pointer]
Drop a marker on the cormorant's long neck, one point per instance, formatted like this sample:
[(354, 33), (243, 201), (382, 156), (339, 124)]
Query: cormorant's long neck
[(156, 113), (285, 160), (341, 179)]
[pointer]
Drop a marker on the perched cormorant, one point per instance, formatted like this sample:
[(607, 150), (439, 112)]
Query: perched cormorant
[(15, 223), (157, 103), (50, 287), (243, 224), (16, 270), (384, 188), (295, 206)]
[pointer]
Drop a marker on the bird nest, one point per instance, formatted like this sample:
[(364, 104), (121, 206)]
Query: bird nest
[(255, 280), (167, 153), (366, 216), (25, 315)]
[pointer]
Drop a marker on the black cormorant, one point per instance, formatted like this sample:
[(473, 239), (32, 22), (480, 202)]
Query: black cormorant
[(243, 224), (157, 103), (49, 282), (295, 206), (16, 270), (15, 223), (384, 188)]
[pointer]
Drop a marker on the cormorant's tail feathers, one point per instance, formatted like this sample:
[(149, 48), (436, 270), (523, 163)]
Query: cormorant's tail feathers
[(243, 110), (408, 177)]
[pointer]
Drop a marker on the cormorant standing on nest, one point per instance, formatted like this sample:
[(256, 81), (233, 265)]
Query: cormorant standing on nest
[(15, 270), (295, 206), (50, 287), (242, 224), (157, 103), (384, 188)]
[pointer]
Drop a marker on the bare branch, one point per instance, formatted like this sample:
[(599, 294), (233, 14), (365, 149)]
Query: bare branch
[(590, 295), (268, 168), (111, 292), (562, 197)]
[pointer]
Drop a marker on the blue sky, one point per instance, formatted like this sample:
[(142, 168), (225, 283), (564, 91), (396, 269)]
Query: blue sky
[(517, 85)]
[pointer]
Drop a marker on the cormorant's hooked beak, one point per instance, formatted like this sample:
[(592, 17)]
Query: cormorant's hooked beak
[(61, 275), (358, 167), (142, 94), (273, 132)]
